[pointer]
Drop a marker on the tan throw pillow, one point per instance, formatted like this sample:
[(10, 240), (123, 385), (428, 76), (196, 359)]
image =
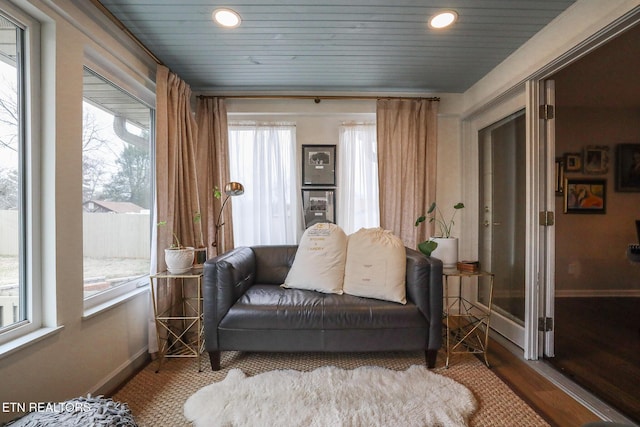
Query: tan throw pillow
[(319, 262), (376, 265)]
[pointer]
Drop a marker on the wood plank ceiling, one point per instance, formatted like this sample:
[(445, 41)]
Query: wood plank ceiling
[(357, 46)]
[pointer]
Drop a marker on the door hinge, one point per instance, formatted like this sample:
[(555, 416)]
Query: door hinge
[(545, 324), (547, 218), (546, 112)]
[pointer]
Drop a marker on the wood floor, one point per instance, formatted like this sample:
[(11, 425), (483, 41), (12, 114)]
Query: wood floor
[(597, 345), (554, 405)]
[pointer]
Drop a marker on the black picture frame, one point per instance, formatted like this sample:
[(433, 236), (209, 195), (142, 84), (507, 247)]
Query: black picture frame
[(319, 205), (318, 165), (559, 175), (585, 196), (628, 167)]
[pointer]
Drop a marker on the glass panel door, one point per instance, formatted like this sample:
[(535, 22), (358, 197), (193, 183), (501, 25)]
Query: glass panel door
[(502, 217)]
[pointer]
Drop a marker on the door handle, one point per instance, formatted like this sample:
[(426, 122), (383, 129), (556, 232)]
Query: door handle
[(495, 224)]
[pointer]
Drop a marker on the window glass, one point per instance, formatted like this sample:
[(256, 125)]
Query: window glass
[(12, 212), (117, 186)]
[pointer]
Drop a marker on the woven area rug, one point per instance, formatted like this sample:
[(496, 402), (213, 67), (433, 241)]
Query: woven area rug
[(157, 399), (330, 396)]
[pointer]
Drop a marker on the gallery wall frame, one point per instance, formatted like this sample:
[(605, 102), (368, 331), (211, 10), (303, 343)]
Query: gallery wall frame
[(559, 174), (596, 160), (319, 165), (585, 196), (628, 167), (319, 205), (573, 162)]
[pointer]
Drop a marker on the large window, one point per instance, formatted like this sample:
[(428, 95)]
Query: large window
[(358, 200), (117, 151), (13, 219), (262, 158)]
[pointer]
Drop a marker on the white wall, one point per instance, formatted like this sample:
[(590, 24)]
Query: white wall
[(93, 354)]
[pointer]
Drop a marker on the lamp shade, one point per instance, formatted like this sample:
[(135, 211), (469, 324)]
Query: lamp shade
[(233, 189)]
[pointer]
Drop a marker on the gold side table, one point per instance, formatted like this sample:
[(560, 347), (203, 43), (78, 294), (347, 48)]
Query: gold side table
[(179, 324), (464, 319)]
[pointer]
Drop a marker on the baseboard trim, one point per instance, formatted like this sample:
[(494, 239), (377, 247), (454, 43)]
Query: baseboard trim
[(590, 293), (112, 382)]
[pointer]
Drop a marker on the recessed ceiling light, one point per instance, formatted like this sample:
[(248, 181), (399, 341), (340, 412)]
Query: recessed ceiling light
[(443, 19), (227, 18)]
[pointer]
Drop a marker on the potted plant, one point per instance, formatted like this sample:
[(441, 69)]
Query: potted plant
[(178, 258), (442, 246)]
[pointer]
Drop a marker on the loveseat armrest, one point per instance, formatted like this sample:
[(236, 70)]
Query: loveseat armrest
[(424, 289), (226, 278)]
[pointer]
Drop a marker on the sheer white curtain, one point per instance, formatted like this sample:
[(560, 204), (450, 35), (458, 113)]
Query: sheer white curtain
[(358, 202), (262, 158)]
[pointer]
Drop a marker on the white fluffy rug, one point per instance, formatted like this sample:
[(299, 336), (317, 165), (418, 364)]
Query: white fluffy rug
[(329, 396)]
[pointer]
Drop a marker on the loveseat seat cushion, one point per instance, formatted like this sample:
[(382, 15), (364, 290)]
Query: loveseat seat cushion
[(273, 307)]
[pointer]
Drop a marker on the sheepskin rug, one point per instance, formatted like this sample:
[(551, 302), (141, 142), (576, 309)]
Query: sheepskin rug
[(330, 396)]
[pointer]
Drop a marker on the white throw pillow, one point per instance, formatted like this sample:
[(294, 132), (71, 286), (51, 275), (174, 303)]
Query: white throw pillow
[(376, 265), (320, 259)]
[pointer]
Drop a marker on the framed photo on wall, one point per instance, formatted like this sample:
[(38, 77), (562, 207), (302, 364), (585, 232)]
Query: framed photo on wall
[(628, 167), (573, 162), (596, 160), (585, 196), (559, 176), (319, 165), (319, 205)]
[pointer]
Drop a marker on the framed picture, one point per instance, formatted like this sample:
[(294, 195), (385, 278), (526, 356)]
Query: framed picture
[(628, 167), (319, 205), (596, 160), (583, 195), (573, 162), (559, 176), (319, 165)]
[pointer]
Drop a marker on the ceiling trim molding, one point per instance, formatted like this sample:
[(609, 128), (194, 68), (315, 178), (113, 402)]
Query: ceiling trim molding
[(125, 30)]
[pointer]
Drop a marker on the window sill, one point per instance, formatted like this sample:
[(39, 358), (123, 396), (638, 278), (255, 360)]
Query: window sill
[(108, 305), (24, 341)]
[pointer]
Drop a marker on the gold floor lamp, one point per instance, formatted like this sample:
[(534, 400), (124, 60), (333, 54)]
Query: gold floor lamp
[(231, 189)]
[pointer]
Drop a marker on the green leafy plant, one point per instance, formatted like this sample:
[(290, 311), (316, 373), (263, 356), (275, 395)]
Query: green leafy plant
[(176, 243), (435, 215), (217, 193)]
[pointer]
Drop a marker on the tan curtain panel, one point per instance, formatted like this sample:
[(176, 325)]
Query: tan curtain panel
[(176, 181), (213, 169), (407, 149)]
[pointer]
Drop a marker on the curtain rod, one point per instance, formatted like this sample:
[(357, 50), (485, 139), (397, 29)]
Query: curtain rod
[(317, 99), (125, 30)]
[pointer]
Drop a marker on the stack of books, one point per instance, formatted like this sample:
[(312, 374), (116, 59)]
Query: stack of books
[(469, 266)]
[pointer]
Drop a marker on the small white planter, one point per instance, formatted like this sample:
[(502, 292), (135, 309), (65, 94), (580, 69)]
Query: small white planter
[(447, 251), (178, 260)]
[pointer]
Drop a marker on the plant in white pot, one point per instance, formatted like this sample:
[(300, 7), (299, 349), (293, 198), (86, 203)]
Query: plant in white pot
[(179, 259), (443, 246)]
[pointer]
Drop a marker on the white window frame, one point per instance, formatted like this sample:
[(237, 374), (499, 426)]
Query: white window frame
[(38, 323), (104, 300)]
